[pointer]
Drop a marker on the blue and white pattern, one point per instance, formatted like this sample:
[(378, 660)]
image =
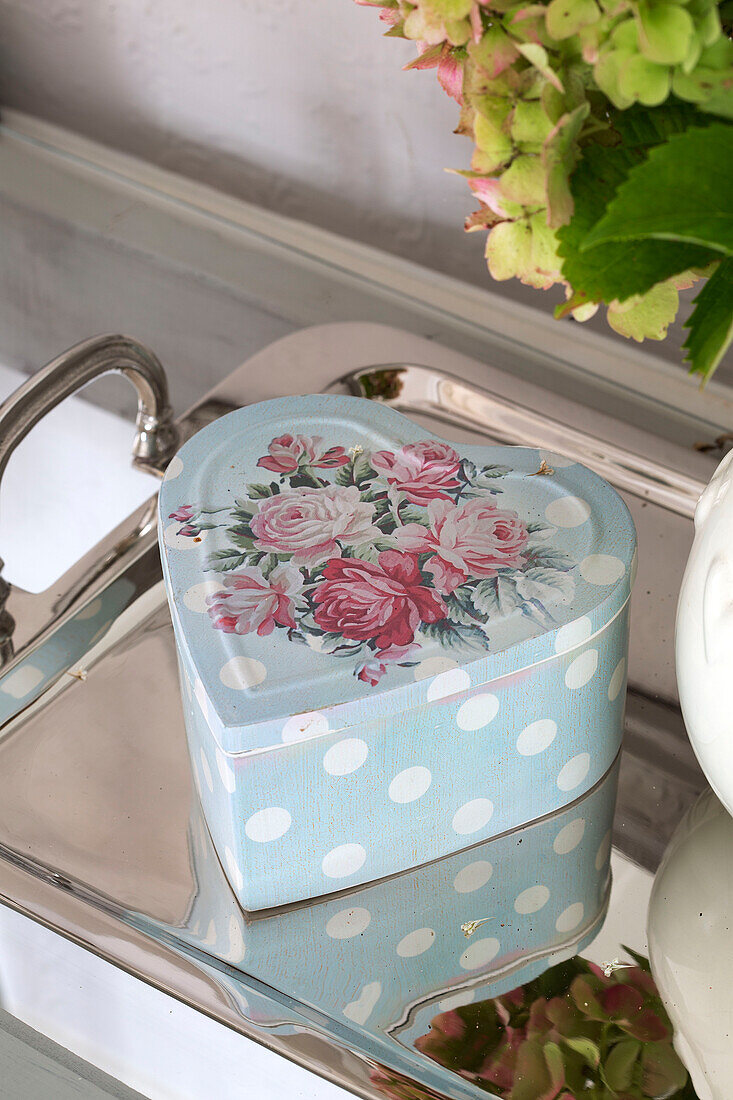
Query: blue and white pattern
[(313, 781), (390, 956)]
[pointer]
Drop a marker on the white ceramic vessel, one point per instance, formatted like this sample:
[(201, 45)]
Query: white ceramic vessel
[(691, 944), (704, 637)]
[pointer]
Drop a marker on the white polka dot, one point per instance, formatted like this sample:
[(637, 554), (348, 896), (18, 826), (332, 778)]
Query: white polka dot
[(201, 697), (570, 918), (410, 784), (458, 1000), (181, 542), (241, 673), (301, 727), (573, 634), (22, 682), (174, 468), (90, 610), (361, 1009), (536, 737), (343, 861), (433, 666), (617, 680), (569, 836), (479, 954), (532, 900), (345, 756), (236, 949), (195, 597), (477, 712), (604, 851), (582, 670), (210, 937), (473, 816), (235, 875), (206, 770), (473, 876), (348, 923), (602, 569), (567, 511), (416, 943), (448, 683), (225, 772), (556, 461), (269, 824), (574, 772)]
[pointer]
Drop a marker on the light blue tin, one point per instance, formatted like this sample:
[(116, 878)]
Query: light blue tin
[(388, 956), (391, 647)]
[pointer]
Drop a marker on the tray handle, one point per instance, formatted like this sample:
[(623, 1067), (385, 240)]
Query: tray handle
[(156, 434)]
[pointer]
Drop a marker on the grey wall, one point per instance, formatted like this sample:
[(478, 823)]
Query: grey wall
[(298, 106)]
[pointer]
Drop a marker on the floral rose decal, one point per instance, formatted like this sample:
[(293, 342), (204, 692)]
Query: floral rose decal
[(288, 452), (385, 602), (396, 548)]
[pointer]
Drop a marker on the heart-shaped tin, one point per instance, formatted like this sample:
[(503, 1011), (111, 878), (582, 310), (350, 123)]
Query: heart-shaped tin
[(391, 647)]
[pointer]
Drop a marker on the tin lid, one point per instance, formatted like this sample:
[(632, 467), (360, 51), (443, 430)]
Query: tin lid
[(328, 562)]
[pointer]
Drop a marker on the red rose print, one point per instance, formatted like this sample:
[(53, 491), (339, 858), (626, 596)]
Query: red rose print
[(384, 603)]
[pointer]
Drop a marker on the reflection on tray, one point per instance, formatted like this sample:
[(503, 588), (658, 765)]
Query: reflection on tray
[(428, 966)]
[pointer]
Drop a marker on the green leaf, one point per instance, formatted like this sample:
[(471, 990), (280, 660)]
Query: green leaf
[(682, 192), (455, 635), (559, 155), (618, 1068), (641, 960), (225, 560), (618, 270), (567, 17), (586, 1048), (537, 55), (711, 322), (648, 316), (665, 32), (546, 586), (460, 607), (259, 492), (244, 542), (662, 1071), (497, 597)]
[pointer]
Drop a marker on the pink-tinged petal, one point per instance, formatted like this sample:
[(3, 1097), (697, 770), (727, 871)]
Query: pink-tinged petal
[(446, 577), (391, 16), (278, 466), (428, 56), (450, 77), (477, 28), (489, 191)]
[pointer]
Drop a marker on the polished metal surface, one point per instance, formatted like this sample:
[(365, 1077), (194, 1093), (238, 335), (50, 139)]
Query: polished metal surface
[(156, 440), (100, 835), (411, 388)]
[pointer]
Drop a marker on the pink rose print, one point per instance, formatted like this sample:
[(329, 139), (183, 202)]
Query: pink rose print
[(423, 471), (328, 560), (184, 515), (384, 603), (372, 671), (313, 524), (256, 603), (471, 539), (288, 452)]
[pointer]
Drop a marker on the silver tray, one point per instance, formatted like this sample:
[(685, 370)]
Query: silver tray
[(96, 800)]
